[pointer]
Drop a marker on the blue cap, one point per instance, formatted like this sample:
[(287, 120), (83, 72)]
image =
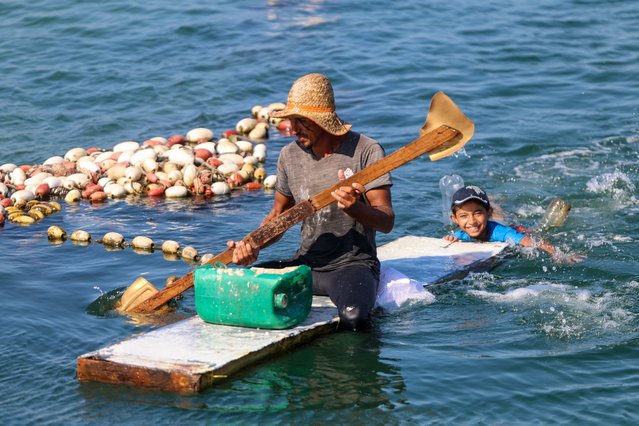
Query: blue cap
[(468, 193)]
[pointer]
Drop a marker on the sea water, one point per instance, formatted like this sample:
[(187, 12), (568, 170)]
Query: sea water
[(552, 88)]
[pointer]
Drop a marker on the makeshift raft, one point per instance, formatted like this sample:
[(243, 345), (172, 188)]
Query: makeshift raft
[(191, 355)]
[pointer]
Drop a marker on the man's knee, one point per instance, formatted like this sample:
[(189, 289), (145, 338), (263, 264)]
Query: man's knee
[(353, 318)]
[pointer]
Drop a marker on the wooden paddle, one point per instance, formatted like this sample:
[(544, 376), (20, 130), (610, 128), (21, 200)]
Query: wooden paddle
[(445, 131)]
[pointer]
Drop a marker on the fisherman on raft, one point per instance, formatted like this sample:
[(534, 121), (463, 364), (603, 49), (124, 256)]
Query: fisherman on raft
[(338, 242)]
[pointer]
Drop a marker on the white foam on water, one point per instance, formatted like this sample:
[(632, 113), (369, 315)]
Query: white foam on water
[(563, 311), (579, 152), (618, 184), (529, 211), (520, 294), (622, 238), (556, 165), (480, 279)]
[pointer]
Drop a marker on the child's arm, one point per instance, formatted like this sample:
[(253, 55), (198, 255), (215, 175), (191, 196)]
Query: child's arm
[(557, 256), (529, 242)]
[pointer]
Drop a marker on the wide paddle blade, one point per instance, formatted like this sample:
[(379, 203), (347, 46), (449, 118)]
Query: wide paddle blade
[(443, 111), (446, 130)]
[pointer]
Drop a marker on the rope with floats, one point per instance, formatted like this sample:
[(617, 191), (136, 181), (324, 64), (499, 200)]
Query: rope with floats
[(139, 244)]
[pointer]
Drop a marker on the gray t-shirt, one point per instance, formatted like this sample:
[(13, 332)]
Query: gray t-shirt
[(331, 238)]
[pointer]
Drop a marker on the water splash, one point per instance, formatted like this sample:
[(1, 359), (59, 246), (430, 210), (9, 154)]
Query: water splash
[(563, 311), (461, 153), (617, 184)]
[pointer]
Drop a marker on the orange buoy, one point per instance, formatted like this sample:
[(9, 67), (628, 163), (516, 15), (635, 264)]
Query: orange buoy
[(215, 162), (42, 191), (252, 186), (228, 133), (204, 154), (156, 191), (176, 140), (98, 197)]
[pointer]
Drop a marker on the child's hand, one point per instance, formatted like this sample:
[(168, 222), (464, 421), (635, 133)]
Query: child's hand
[(450, 238), (568, 258)]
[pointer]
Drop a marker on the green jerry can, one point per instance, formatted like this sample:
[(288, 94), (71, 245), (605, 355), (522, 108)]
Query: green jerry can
[(255, 297)]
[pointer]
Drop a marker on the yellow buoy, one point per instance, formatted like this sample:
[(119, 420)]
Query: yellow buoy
[(73, 196), (80, 236), (189, 253), (112, 239), (43, 208), (55, 206), (22, 219), (142, 243), (170, 247), (36, 214), (56, 233)]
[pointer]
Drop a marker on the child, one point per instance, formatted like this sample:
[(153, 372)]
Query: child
[(470, 211)]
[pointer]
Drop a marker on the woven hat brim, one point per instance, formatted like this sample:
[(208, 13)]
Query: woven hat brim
[(328, 121)]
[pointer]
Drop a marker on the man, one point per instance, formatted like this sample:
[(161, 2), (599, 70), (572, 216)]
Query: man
[(338, 242)]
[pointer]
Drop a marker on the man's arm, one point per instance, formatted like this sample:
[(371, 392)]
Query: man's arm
[(377, 214), (244, 254)]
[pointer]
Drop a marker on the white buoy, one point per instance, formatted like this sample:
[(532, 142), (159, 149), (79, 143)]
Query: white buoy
[(141, 155), (75, 154), (53, 160), (53, 181), (209, 146), (126, 146), (225, 146), (259, 132), (22, 195), (181, 157), (80, 180), (245, 125), (236, 159), (176, 192), (270, 181), (199, 134), (220, 188), (8, 167), (103, 156), (227, 168), (18, 176)]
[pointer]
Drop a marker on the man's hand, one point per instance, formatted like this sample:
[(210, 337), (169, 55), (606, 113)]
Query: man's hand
[(243, 253), (347, 196)]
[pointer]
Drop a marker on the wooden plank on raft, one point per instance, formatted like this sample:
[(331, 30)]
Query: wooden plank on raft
[(191, 355)]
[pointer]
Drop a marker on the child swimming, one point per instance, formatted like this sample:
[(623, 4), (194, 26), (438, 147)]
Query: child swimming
[(471, 210)]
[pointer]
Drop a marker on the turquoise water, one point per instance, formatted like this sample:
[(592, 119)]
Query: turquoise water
[(552, 88)]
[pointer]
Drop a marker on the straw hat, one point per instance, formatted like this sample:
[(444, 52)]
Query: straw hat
[(311, 96)]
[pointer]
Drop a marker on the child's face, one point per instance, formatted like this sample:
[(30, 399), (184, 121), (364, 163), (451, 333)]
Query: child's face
[(472, 218)]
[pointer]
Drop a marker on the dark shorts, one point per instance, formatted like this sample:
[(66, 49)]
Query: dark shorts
[(352, 288)]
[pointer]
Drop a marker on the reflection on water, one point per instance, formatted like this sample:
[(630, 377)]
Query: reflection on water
[(289, 388)]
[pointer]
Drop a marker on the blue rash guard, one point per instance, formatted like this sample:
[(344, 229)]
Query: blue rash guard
[(496, 233)]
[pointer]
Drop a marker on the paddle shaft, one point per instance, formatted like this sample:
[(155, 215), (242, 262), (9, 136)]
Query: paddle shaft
[(278, 225)]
